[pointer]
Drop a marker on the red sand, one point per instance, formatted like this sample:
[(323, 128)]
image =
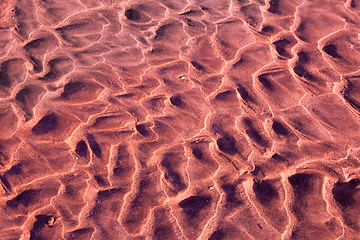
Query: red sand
[(177, 119)]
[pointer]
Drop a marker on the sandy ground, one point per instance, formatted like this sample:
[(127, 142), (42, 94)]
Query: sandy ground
[(179, 119)]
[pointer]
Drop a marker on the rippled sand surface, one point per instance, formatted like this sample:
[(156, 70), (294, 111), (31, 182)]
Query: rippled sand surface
[(179, 119)]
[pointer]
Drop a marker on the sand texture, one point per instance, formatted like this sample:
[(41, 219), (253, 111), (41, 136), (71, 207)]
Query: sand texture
[(179, 119)]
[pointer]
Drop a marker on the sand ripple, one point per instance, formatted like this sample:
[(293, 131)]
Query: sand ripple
[(179, 119)]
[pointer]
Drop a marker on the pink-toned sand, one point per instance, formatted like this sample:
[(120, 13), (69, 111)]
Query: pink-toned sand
[(179, 119)]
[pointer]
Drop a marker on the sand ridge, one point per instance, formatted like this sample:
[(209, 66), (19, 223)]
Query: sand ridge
[(164, 119)]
